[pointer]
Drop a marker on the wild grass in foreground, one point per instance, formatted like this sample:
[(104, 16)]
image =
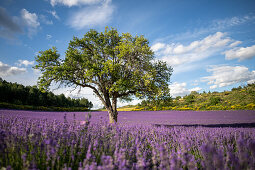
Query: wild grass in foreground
[(49, 144)]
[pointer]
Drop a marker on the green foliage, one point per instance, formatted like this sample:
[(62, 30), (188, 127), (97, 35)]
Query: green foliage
[(17, 94), (119, 64), (240, 98), (214, 100), (189, 98), (112, 65), (178, 98), (156, 104)]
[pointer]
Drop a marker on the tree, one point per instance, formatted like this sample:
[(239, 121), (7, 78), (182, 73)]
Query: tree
[(178, 98), (189, 99), (214, 100), (114, 66), (85, 103)]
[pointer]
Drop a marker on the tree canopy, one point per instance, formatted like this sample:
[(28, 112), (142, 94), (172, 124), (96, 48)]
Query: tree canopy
[(115, 66)]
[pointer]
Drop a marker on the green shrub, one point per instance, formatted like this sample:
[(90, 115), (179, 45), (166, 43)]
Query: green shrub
[(189, 99), (214, 100)]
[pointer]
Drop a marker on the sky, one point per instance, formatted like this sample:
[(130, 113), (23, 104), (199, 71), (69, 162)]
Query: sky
[(210, 44)]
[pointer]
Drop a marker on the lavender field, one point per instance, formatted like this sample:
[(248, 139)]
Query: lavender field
[(140, 140)]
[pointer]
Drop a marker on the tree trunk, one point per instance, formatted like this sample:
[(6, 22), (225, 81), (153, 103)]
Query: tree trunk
[(113, 116), (112, 110), (111, 106)]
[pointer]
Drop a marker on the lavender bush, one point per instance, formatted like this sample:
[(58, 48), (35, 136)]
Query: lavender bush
[(50, 144)]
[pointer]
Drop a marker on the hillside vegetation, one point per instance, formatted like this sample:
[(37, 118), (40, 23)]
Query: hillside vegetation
[(17, 96), (240, 98)]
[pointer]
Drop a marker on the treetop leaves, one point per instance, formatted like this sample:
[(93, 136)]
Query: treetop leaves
[(110, 63)]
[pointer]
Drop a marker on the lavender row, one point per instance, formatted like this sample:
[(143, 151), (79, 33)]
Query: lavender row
[(49, 144), (149, 117)]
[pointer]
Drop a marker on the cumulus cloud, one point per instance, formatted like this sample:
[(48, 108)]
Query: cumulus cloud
[(235, 43), (92, 16), (92, 12), (196, 89), (71, 3), (158, 46), (31, 21), (225, 75), (25, 63), (7, 70), (179, 54), (8, 25), (240, 53), (180, 89)]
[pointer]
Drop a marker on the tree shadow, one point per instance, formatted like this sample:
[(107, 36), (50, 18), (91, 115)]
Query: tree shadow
[(234, 125)]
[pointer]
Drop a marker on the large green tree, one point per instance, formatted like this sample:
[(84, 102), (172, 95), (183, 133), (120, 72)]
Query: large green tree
[(115, 66)]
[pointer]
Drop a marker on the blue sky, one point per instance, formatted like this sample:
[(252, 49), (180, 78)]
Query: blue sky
[(209, 44)]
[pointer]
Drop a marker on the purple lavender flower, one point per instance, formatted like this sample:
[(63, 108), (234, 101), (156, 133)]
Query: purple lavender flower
[(63, 144)]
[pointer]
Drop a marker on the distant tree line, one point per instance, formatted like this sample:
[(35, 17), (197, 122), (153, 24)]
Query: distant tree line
[(18, 94), (239, 98)]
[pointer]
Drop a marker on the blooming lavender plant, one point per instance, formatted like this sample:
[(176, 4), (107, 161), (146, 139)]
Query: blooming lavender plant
[(33, 143)]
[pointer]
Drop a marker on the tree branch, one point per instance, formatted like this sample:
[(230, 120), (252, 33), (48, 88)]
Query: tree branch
[(126, 94), (93, 88)]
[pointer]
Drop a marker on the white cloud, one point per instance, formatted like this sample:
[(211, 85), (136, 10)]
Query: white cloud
[(48, 36), (31, 21), (158, 46), (213, 86), (92, 16), (6, 70), (196, 89), (235, 43), (228, 75), (230, 22), (45, 20), (30, 18), (251, 81), (240, 53), (71, 3), (180, 89), (179, 54), (210, 27), (37, 72), (25, 63), (54, 14), (93, 12), (79, 93)]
